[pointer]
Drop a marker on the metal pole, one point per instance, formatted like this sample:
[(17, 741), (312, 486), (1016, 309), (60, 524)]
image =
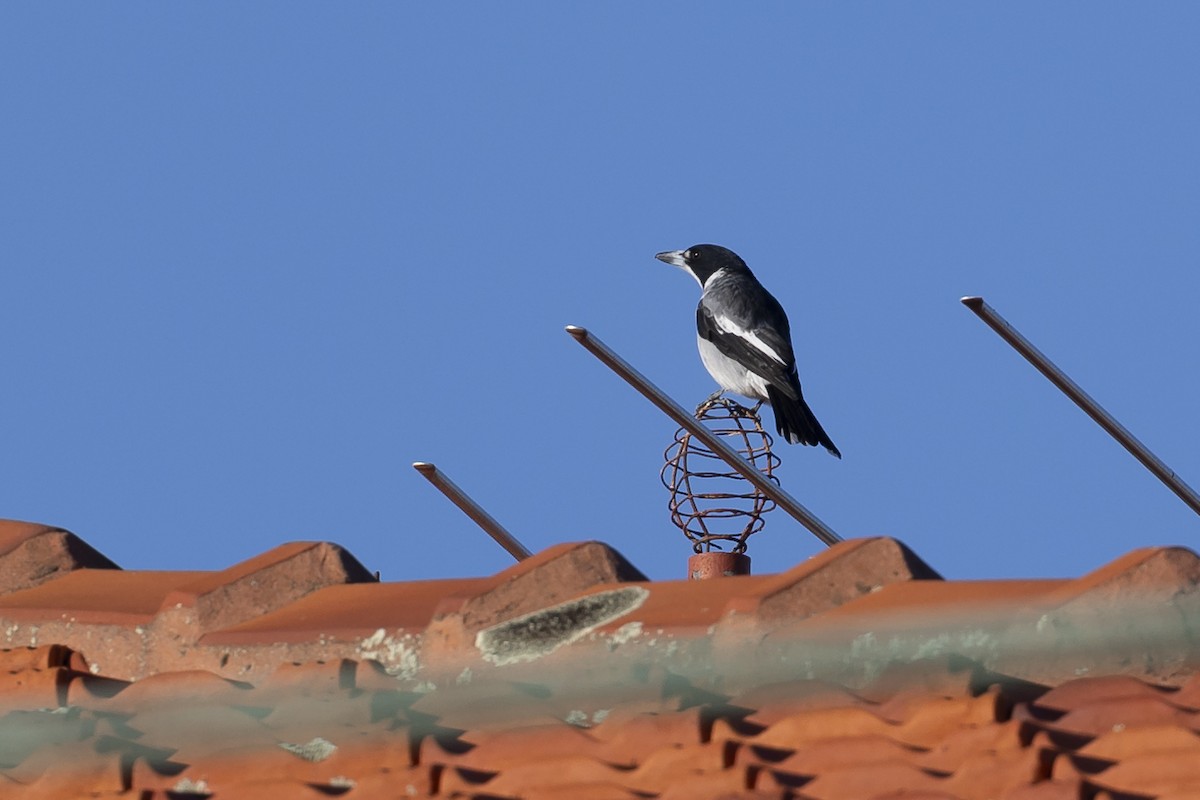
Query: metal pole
[(685, 420), (473, 510), (1082, 399)]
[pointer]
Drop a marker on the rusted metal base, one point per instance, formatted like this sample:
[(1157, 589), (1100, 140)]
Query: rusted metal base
[(717, 565)]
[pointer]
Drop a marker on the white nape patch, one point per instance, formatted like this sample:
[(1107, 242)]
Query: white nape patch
[(729, 326), (729, 374)]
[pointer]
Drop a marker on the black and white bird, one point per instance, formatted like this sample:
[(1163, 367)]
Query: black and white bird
[(745, 341)]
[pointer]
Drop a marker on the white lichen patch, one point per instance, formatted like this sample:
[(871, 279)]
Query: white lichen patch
[(626, 633), (189, 786), (533, 635), (316, 750), (397, 654)]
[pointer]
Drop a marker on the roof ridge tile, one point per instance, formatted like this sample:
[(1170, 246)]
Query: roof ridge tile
[(32, 553), (545, 580), (1151, 573), (264, 583), (831, 578)]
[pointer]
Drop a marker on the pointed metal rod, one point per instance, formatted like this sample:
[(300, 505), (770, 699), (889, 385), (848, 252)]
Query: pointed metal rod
[(685, 420), (1082, 399), (473, 510)]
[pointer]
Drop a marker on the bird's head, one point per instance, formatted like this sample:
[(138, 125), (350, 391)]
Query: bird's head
[(703, 260)]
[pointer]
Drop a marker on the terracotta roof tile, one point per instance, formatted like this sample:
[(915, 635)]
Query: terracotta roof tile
[(834, 752), (823, 724), (31, 554), (1086, 691), (844, 572), (1117, 745), (1152, 774), (35, 688), (44, 657), (625, 735), (350, 612), (1048, 790), (661, 769), (549, 773), (774, 701), (1188, 695), (994, 774), (71, 769), (857, 674), (1150, 573), (580, 791), (1122, 713), (936, 719), (727, 785), (103, 597), (265, 583), (493, 753), (176, 689), (92, 691), (869, 780), (909, 600), (949, 755)]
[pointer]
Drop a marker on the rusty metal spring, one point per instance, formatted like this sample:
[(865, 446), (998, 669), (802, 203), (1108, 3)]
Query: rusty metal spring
[(711, 503)]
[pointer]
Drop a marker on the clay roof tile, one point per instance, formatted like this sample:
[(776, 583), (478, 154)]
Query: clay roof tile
[(31, 554), (571, 675)]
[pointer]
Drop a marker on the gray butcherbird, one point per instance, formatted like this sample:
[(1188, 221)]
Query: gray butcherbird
[(745, 341)]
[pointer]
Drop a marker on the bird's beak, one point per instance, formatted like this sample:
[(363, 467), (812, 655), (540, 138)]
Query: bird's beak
[(673, 257)]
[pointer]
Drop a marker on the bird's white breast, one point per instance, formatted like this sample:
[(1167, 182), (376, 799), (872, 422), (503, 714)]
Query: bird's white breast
[(729, 374)]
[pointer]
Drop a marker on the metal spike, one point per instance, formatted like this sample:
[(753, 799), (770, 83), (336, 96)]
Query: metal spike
[(473, 510), (1082, 399), (685, 420)]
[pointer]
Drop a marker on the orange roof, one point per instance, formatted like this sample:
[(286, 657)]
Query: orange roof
[(856, 674)]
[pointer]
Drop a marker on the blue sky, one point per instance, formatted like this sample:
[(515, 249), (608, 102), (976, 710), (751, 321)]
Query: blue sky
[(258, 259)]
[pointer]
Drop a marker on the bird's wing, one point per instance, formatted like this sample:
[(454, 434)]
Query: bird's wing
[(762, 350)]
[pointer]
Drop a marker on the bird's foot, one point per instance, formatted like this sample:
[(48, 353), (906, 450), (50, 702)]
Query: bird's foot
[(740, 410), (712, 397)]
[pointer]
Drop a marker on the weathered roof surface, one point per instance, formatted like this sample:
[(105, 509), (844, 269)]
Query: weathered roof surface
[(856, 674)]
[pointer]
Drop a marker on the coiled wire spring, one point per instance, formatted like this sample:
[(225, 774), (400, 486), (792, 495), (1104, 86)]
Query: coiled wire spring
[(710, 503)]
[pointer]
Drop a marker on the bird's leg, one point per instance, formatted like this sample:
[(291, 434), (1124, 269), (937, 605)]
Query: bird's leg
[(709, 399), (740, 410)]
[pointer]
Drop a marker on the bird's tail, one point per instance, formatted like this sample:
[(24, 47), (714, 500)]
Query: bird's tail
[(795, 421)]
